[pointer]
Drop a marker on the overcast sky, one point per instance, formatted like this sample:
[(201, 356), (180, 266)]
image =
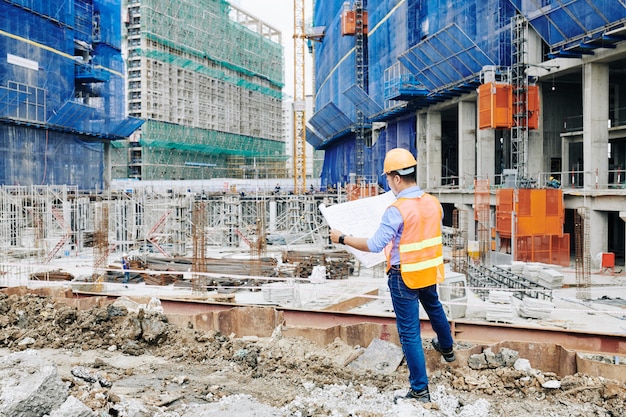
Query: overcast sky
[(279, 14)]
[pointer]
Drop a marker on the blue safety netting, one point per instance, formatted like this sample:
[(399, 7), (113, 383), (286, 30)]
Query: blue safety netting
[(62, 78), (445, 58), (443, 46), (362, 101), (313, 138), (330, 121), (576, 26)]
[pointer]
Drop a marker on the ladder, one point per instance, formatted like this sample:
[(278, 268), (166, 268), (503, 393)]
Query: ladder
[(58, 215), (152, 234), (105, 255)]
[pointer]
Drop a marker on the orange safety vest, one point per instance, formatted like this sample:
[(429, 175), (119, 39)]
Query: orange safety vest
[(421, 245)]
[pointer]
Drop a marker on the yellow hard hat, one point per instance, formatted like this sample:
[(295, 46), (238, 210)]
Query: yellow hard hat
[(400, 160)]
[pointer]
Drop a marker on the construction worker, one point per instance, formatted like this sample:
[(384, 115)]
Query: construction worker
[(554, 183), (126, 268), (410, 235)]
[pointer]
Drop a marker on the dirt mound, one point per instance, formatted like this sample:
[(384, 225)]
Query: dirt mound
[(116, 361)]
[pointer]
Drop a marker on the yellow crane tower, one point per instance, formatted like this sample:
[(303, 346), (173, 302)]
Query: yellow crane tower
[(299, 99)]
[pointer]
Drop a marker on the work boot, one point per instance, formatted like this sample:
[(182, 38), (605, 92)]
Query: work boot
[(421, 396), (447, 354)]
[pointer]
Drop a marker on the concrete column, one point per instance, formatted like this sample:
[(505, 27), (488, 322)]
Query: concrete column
[(471, 224), (485, 155), (273, 216), (534, 159), (467, 143), (599, 230), (622, 215), (565, 175), (433, 144), (595, 124)]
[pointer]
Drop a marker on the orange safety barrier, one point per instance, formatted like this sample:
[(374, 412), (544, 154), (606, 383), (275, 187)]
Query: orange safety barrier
[(540, 215), (550, 249)]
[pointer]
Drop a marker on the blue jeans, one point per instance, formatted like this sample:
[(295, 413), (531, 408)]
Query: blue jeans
[(406, 306)]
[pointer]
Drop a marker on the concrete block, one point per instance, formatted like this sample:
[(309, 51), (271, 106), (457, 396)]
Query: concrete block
[(73, 407), (321, 337), (30, 386)]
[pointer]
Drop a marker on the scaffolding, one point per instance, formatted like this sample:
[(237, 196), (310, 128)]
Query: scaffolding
[(519, 80), (61, 91), (421, 53), (459, 241), (101, 249), (483, 218), (208, 79), (583, 255), (43, 226), (199, 260)]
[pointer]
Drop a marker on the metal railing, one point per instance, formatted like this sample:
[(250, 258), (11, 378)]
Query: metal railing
[(617, 117), (615, 179)]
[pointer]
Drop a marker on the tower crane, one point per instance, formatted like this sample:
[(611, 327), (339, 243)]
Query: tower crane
[(299, 99)]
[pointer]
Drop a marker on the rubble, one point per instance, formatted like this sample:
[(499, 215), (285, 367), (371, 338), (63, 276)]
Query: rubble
[(29, 385), (157, 369)]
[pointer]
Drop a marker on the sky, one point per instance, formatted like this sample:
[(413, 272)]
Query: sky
[(279, 14)]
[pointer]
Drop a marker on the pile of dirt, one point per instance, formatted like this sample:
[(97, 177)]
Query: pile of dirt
[(123, 363)]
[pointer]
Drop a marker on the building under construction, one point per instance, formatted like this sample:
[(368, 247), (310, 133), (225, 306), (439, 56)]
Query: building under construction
[(490, 95), (257, 262), (61, 92), (207, 78)]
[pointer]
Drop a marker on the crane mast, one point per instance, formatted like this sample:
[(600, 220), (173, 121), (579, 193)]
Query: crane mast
[(359, 57), (299, 99)]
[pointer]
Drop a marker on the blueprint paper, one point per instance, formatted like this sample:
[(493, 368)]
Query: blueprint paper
[(359, 218)]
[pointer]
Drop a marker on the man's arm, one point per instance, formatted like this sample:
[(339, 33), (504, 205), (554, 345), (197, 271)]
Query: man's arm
[(359, 243)]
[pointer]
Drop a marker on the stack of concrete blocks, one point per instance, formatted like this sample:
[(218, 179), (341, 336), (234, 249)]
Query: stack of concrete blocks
[(517, 267), (550, 278), (280, 293), (531, 272), (500, 307), (535, 309)]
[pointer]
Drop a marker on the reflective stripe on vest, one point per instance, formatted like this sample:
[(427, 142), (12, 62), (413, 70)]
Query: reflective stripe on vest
[(426, 243), (420, 266)]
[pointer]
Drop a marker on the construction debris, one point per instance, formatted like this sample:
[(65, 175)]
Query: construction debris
[(379, 357), (134, 364), (56, 275)]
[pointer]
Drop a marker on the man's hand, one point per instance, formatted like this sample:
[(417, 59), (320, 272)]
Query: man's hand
[(334, 235)]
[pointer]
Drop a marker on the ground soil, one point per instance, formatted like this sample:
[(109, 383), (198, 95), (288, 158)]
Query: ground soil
[(141, 365)]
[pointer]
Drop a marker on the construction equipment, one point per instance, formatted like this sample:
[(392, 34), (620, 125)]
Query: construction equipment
[(299, 103), (354, 23)]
